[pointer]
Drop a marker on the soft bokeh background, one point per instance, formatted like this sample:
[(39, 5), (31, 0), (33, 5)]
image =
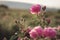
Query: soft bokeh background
[(12, 10), (17, 9)]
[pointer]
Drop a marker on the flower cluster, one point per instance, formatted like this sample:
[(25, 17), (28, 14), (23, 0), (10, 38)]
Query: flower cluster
[(44, 31), (38, 31)]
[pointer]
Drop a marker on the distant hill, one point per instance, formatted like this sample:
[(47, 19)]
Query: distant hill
[(17, 5), (20, 5)]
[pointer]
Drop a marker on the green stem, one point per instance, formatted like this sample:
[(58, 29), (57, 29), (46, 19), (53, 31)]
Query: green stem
[(41, 17)]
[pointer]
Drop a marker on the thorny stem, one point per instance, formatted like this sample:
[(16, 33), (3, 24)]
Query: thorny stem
[(41, 17)]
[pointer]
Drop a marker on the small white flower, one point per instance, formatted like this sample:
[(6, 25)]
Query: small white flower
[(16, 33)]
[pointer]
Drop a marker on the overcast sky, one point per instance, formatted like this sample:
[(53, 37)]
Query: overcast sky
[(49, 3)]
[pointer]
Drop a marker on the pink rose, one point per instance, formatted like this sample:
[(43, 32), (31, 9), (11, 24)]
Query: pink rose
[(39, 30), (49, 32), (33, 34), (35, 9)]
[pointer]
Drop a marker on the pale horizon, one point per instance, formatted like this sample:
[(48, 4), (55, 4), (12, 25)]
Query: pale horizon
[(48, 3)]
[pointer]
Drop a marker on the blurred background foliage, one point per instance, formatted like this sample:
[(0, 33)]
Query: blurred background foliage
[(8, 17)]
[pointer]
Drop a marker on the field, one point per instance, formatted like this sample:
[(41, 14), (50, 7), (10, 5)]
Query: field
[(9, 16)]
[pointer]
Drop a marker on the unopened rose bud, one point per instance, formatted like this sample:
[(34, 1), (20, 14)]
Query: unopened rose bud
[(48, 21), (27, 35), (16, 21), (43, 8)]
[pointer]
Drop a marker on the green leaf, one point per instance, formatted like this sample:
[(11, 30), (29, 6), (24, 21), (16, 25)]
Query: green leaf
[(13, 37)]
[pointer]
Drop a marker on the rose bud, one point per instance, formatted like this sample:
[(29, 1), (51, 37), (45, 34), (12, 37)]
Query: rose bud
[(48, 21), (43, 8)]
